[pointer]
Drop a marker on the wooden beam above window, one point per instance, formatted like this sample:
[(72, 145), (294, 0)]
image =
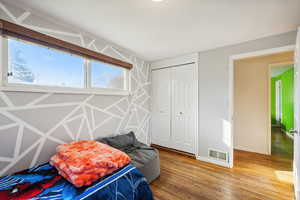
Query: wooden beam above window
[(21, 32)]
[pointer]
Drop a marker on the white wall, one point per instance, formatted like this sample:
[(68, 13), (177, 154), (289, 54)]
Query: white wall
[(213, 69), (214, 90), (32, 124)]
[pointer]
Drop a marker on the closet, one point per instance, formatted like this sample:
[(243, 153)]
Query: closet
[(174, 107)]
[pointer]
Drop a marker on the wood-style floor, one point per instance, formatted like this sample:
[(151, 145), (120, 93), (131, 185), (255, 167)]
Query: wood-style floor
[(254, 177), (282, 145)]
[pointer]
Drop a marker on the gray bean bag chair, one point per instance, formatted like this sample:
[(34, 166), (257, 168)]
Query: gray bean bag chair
[(145, 158)]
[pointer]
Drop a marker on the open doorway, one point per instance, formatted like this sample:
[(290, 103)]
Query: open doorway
[(282, 109), (281, 169), (252, 100), (258, 112), (252, 110)]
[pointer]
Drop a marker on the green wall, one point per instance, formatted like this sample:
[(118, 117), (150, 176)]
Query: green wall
[(287, 83)]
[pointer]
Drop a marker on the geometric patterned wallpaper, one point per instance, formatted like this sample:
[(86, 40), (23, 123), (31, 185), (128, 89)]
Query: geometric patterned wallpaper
[(33, 124)]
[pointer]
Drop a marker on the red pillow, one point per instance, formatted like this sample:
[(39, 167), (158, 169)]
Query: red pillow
[(84, 162)]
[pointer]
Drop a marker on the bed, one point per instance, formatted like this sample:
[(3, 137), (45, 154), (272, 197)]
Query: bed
[(44, 182)]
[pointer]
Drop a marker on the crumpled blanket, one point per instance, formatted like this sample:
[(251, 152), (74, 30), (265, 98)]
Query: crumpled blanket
[(83, 162)]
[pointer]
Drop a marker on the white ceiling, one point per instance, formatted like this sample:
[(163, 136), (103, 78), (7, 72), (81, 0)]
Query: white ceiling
[(157, 30)]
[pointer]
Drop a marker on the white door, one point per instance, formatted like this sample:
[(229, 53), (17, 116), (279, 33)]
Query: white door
[(184, 108), (278, 102), (297, 119), (161, 107)]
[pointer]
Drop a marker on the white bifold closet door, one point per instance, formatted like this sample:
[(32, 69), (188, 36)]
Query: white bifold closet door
[(161, 107), (174, 107), (183, 102)]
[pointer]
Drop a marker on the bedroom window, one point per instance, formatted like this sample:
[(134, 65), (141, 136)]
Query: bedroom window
[(29, 67), (32, 64), (107, 76)]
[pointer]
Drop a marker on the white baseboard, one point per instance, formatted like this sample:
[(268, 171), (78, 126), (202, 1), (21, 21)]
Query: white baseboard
[(213, 161), (250, 150), (288, 134), (297, 195), (276, 125)]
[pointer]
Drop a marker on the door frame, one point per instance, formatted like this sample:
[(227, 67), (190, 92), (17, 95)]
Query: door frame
[(296, 163), (231, 87), (269, 100), (177, 62), (278, 100)]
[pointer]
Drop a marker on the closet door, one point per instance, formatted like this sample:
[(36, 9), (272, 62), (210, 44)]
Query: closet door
[(161, 107), (184, 107)]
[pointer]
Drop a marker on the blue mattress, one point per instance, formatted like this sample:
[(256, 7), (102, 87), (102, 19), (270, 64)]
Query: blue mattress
[(44, 182)]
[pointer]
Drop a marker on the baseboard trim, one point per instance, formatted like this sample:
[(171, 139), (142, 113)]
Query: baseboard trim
[(297, 195), (173, 150), (276, 125), (288, 134), (250, 151), (213, 161)]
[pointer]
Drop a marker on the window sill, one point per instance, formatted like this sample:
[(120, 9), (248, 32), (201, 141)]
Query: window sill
[(62, 90)]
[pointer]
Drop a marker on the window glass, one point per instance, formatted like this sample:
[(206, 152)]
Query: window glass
[(107, 76), (36, 65)]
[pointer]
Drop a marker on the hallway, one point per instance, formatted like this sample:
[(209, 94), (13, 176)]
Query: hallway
[(282, 145)]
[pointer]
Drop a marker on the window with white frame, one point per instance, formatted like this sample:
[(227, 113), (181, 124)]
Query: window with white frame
[(32, 65), (107, 76), (36, 65)]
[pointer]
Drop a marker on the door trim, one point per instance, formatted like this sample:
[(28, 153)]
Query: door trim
[(296, 163), (172, 66), (231, 86), (278, 100)]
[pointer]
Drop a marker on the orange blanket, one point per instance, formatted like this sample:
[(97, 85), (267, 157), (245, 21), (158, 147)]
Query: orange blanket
[(84, 162)]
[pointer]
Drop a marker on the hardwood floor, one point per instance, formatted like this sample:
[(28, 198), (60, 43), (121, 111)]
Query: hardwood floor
[(282, 145), (253, 177)]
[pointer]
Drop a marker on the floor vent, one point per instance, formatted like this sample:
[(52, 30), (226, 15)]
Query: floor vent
[(218, 155)]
